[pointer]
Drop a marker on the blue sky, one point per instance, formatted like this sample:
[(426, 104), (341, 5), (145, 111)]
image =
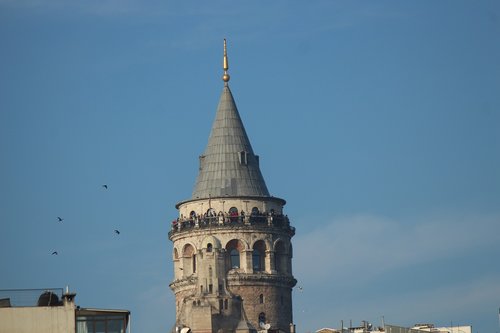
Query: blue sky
[(377, 121)]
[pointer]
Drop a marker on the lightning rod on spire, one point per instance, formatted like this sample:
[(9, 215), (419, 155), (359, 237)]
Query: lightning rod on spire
[(225, 77)]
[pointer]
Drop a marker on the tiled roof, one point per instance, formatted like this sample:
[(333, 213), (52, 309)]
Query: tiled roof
[(228, 167)]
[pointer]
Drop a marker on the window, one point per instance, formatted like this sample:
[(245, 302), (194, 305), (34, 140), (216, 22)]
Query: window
[(233, 214), (243, 157), (235, 258), (280, 258), (188, 260), (202, 161), (262, 317), (210, 288), (232, 257), (258, 255), (209, 247), (101, 323), (261, 299), (256, 260), (176, 254)]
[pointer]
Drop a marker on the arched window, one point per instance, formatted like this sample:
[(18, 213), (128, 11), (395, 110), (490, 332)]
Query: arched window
[(256, 260), (262, 317), (280, 257), (233, 249), (176, 254), (233, 214), (235, 258), (209, 247), (188, 260), (258, 255), (261, 298)]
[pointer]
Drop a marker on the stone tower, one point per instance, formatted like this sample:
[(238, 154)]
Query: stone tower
[(232, 248)]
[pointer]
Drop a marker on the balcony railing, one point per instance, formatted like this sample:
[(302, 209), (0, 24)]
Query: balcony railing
[(228, 220), (31, 297)]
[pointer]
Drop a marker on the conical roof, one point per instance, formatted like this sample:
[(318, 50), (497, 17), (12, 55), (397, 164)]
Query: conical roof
[(228, 167)]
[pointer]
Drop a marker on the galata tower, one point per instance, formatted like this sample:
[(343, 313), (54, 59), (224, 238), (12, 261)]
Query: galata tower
[(232, 248)]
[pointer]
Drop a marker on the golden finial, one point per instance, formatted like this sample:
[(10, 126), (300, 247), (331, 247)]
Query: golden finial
[(225, 77)]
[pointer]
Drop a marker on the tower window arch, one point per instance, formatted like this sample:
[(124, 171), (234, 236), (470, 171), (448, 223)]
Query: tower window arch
[(188, 259), (258, 256), (233, 250), (261, 298), (280, 258), (235, 258), (262, 317), (233, 214), (176, 254), (209, 247)]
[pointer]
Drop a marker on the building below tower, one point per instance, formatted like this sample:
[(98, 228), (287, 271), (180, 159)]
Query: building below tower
[(54, 311)]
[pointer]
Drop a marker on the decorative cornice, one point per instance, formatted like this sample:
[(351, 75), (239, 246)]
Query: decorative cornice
[(184, 284), (242, 279)]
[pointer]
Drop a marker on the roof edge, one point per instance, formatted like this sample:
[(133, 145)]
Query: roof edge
[(270, 198)]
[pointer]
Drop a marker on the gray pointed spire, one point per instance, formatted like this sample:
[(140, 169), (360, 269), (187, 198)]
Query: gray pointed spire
[(228, 167)]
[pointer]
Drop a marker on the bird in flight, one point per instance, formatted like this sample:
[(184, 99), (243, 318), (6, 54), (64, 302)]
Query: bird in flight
[(54, 253), (105, 186), (117, 232), (60, 219)]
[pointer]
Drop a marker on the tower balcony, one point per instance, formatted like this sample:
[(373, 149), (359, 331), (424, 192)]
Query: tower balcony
[(275, 222)]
